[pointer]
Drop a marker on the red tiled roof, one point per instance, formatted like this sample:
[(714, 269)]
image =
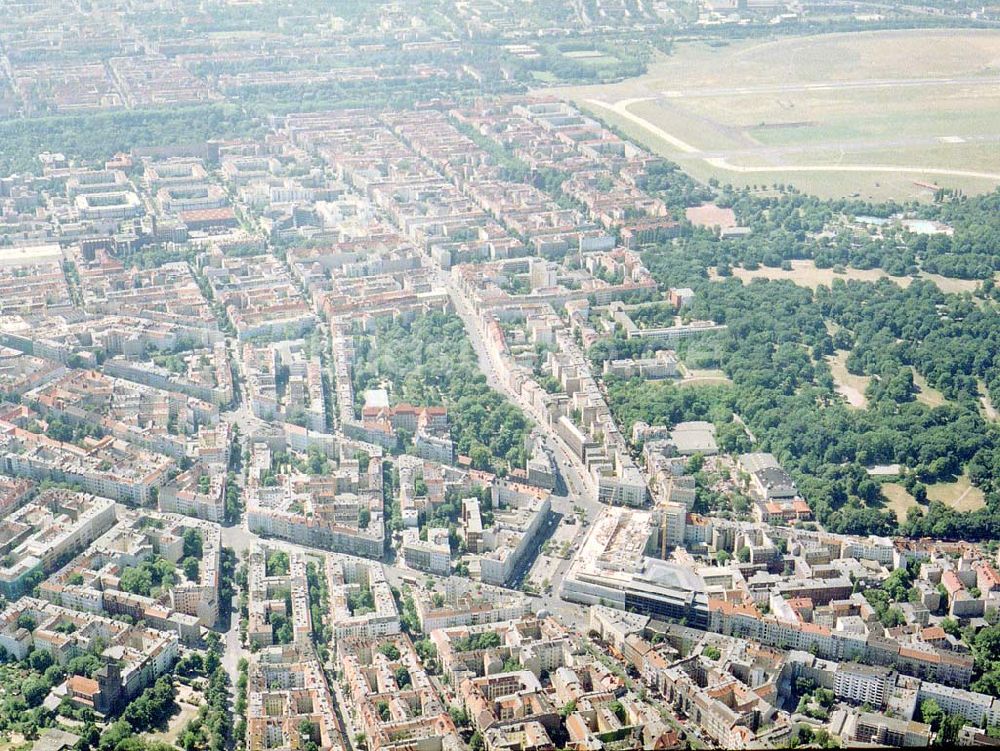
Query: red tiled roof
[(80, 684)]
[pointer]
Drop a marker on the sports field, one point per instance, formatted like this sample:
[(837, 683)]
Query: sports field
[(877, 114)]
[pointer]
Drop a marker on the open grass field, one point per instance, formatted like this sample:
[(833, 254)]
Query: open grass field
[(851, 387), (189, 701), (594, 57), (897, 499), (989, 410), (14, 741), (706, 377), (805, 274), (960, 495), (877, 114), (926, 393)]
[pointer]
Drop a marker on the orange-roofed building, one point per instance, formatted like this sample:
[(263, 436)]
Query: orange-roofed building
[(83, 691), (801, 508), (987, 578), (803, 607), (934, 635), (952, 583)]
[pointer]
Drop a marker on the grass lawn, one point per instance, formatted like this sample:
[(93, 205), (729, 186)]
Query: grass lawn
[(960, 495), (15, 741), (988, 408), (897, 499), (805, 274), (922, 100), (927, 394), (851, 387), (590, 57), (189, 700), (949, 285), (704, 377)]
